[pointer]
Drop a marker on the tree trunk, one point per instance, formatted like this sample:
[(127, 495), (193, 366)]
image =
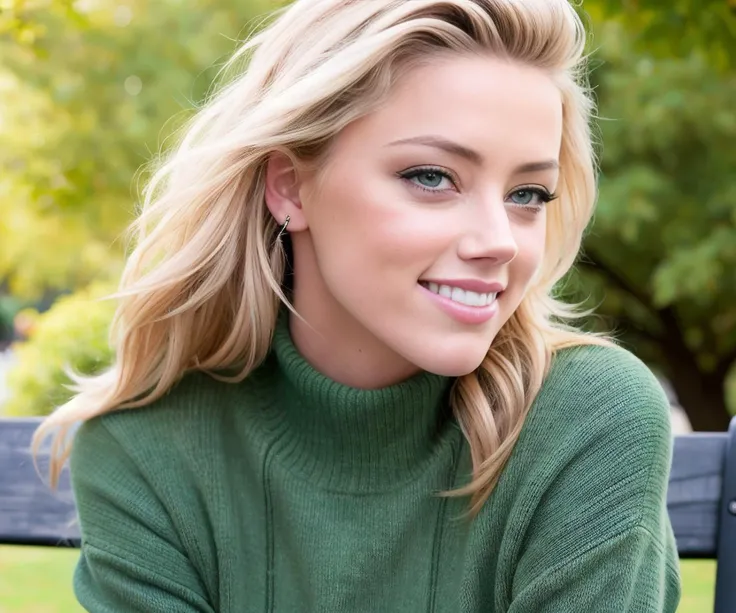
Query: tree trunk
[(701, 394), (702, 398)]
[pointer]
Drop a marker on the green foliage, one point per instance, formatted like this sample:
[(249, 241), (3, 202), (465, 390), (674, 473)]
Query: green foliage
[(665, 231), (91, 89), (9, 306), (73, 333), (681, 29), (88, 91)]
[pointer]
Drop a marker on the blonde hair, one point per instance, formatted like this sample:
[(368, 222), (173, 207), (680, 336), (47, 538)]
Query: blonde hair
[(202, 288)]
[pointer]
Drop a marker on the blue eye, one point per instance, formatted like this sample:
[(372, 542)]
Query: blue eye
[(533, 197), (429, 179), (523, 196)]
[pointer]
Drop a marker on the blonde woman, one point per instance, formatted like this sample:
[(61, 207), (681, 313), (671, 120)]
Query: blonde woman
[(342, 382)]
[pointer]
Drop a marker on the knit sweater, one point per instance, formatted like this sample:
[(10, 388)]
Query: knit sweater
[(291, 493)]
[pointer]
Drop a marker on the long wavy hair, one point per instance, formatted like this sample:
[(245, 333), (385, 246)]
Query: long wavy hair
[(202, 288)]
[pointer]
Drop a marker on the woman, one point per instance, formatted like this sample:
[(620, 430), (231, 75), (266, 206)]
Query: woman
[(342, 382)]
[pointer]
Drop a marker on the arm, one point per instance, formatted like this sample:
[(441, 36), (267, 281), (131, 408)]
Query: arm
[(600, 537), (630, 573), (131, 558)]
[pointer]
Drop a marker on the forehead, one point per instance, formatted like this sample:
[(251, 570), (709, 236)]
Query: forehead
[(504, 110)]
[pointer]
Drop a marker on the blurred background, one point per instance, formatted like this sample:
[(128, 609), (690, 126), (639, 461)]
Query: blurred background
[(91, 89)]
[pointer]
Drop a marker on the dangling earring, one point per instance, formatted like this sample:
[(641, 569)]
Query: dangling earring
[(283, 228)]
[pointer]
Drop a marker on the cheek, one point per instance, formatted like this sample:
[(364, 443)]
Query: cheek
[(363, 236), (531, 242)]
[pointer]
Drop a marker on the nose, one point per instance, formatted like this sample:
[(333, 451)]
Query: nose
[(489, 234)]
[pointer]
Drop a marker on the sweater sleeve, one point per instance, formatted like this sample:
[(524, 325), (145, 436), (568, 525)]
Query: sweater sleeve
[(600, 538), (629, 573), (131, 559)]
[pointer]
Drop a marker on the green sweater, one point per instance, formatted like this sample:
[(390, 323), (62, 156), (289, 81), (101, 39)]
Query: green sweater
[(292, 493)]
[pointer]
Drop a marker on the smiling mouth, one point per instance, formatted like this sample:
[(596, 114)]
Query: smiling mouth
[(461, 296)]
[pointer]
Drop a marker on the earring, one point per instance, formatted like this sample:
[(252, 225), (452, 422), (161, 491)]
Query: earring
[(283, 228)]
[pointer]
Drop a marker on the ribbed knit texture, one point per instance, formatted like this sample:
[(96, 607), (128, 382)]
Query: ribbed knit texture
[(292, 493)]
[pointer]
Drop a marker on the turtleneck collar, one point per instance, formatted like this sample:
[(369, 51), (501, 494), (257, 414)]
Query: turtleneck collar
[(356, 439)]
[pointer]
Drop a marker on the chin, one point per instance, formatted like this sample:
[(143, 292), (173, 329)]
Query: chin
[(453, 364)]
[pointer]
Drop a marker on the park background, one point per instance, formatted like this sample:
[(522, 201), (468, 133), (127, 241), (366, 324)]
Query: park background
[(91, 90)]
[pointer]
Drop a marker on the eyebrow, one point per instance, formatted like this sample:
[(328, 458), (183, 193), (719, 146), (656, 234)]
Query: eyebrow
[(471, 155)]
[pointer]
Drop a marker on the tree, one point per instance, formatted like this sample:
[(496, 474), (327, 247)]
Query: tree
[(668, 29), (661, 255), (88, 91)]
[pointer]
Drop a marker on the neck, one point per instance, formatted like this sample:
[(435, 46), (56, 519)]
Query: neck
[(349, 438), (340, 347)]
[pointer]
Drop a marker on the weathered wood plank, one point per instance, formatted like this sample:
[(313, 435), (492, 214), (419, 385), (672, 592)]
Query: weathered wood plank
[(725, 586), (694, 493), (30, 512)]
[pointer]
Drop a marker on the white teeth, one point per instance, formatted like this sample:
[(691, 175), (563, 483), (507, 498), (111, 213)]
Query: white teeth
[(462, 296)]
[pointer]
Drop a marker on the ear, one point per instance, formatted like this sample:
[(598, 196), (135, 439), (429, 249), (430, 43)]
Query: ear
[(282, 192)]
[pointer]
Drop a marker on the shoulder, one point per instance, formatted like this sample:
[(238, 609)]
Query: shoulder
[(125, 437), (592, 460), (197, 411), (193, 398), (600, 427), (600, 366), (601, 387)]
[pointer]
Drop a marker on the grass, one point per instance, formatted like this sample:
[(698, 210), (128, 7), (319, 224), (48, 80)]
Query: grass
[(37, 580), (698, 586)]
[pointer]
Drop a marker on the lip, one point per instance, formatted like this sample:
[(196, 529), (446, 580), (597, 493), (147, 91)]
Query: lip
[(471, 285), (470, 315)]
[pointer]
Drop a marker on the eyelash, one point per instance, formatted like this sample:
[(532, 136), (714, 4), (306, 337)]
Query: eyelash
[(415, 172), (543, 195)]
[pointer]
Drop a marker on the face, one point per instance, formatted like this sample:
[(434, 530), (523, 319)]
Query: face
[(426, 226)]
